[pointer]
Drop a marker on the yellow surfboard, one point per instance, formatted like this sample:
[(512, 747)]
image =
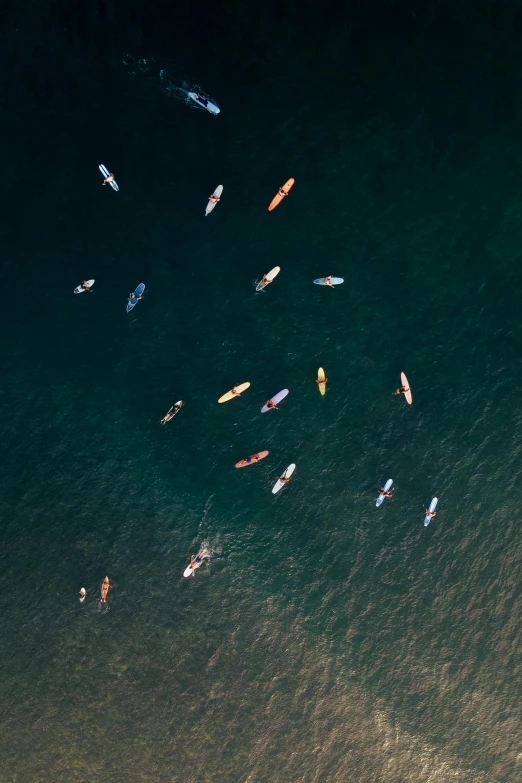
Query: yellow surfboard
[(235, 392), (321, 380)]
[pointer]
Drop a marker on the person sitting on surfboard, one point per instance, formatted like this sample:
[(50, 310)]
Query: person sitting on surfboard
[(403, 390), (235, 392), (270, 404), (110, 178), (328, 281), (283, 480), (321, 383), (430, 514), (265, 279), (85, 287), (133, 299), (384, 493), (214, 199), (282, 193)]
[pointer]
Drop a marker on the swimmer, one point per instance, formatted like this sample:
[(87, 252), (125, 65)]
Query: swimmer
[(109, 179), (105, 587), (386, 494), (430, 514), (82, 594)]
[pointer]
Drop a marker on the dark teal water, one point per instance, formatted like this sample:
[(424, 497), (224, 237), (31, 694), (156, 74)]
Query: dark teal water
[(327, 640)]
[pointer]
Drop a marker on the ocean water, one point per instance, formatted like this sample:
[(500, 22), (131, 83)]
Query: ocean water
[(326, 640)]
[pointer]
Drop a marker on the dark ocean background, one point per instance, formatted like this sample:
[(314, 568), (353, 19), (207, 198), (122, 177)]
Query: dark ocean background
[(327, 640)]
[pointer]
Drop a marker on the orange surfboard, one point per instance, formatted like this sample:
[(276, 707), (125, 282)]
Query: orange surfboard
[(278, 197), (252, 460)]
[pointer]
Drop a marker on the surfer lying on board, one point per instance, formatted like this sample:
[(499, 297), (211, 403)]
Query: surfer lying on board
[(110, 178), (403, 390), (270, 404), (196, 560), (384, 493), (430, 514)]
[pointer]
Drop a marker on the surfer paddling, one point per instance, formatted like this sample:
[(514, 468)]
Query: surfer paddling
[(105, 587), (171, 412), (196, 560), (386, 493)]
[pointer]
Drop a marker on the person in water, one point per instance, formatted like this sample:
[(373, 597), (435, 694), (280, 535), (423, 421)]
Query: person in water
[(430, 514), (85, 287), (386, 493), (110, 178), (270, 404)]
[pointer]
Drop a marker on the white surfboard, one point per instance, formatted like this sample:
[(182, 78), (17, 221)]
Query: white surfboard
[(211, 204), (80, 290), (106, 173), (268, 278), (432, 507), (386, 488), (286, 475)]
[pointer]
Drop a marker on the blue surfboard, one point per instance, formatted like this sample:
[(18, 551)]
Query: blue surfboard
[(433, 506), (133, 300), (386, 488)]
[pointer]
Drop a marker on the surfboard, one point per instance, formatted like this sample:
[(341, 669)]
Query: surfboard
[(275, 399), (230, 394), (210, 107), (431, 507), (287, 187), (321, 381), (106, 173), (334, 281), (405, 383), (244, 463), (80, 290), (172, 411), (386, 487), (138, 292), (269, 277), (211, 204), (202, 554), (280, 484)]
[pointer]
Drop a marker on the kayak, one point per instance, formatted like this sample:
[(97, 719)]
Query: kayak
[(80, 290), (405, 383), (106, 173), (230, 394), (386, 488), (243, 463), (321, 381), (105, 589), (211, 204), (172, 411), (133, 300), (286, 475), (287, 187), (432, 507), (203, 553), (275, 399), (209, 106), (268, 278), (333, 281)]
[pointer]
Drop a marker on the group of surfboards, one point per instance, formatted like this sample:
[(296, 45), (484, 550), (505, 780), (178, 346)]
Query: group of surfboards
[(134, 297)]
